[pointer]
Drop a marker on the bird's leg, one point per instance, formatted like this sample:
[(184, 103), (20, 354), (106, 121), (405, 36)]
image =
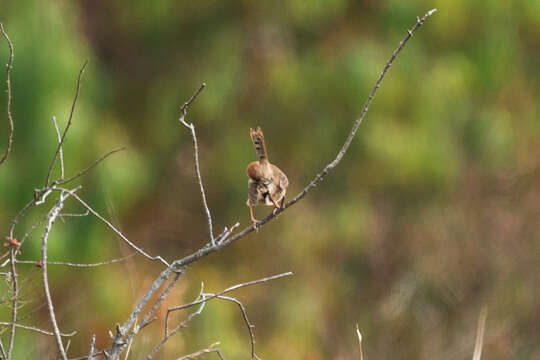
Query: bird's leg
[(276, 205), (253, 220)]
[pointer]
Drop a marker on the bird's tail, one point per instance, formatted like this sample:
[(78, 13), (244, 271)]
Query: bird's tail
[(257, 137)]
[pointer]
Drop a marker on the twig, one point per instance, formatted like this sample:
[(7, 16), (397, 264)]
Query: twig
[(210, 349), (359, 342), (51, 166), (85, 170), (61, 152), (120, 340), (479, 342), (246, 320), (229, 289), (183, 324), (38, 330), (19, 215), (205, 297), (78, 264), (9, 66), (37, 223), (63, 215), (92, 345), (2, 349), (191, 127), (53, 214), (113, 228), (15, 300)]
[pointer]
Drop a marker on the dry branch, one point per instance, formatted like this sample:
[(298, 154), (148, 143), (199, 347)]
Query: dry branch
[(118, 344), (9, 66), (61, 142)]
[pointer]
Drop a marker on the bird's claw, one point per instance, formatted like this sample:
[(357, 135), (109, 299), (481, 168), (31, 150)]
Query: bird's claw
[(255, 226)]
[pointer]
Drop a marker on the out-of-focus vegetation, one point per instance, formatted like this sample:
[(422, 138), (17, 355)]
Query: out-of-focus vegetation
[(433, 213)]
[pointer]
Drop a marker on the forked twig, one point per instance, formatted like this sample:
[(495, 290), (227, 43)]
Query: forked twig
[(88, 168), (53, 161), (112, 227), (211, 349), (191, 127), (205, 297)]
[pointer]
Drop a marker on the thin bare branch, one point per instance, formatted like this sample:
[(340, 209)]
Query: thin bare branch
[(113, 228), (2, 350), (229, 289), (191, 127), (359, 342), (120, 340), (92, 345), (19, 215), (246, 320), (205, 297), (14, 303), (38, 330), (78, 264), (182, 325), (51, 166), (61, 152), (90, 167), (63, 215), (53, 214), (32, 228), (211, 349), (479, 342), (192, 98), (9, 66)]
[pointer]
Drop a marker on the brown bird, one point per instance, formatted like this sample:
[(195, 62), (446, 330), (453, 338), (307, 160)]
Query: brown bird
[(267, 184)]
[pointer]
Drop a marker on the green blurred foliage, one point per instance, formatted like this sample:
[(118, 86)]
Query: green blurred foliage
[(432, 214)]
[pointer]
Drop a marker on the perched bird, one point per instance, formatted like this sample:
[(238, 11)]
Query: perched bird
[(267, 184)]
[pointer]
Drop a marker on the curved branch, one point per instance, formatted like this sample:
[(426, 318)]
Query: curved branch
[(9, 66)]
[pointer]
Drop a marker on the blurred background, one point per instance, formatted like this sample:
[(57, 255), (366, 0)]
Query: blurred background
[(432, 214)]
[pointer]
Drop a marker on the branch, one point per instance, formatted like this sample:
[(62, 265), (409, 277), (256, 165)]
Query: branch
[(53, 214), (61, 142), (116, 348), (112, 227), (92, 345), (210, 349), (229, 289), (13, 272), (9, 66), (120, 340), (61, 152), (85, 170), (205, 297), (191, 127), (77, 264), (38, 330), (319, 177), (479, 342)]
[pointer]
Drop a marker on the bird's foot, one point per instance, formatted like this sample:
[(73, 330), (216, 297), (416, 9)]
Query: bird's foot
[(255, 226)]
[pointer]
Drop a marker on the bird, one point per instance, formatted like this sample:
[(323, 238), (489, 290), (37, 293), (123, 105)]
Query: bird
[(267, 184)]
